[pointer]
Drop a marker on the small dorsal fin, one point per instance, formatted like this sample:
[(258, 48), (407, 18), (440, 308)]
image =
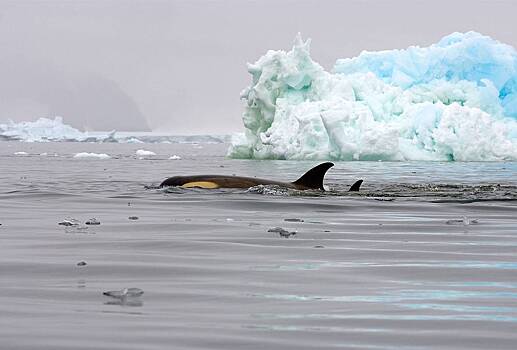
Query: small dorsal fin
[(355, 187), (314, 178)]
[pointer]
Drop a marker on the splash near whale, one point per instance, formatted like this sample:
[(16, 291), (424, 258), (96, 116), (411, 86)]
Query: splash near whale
[(454, 100)]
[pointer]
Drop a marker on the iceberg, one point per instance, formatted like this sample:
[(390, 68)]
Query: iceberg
[(45, 130), (55, 130), (454, 100)]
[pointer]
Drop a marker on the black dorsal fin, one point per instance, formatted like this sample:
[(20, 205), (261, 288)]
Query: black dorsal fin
[(355, 187), (314, 177)]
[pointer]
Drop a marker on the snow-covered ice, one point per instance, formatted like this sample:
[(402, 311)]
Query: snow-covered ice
[(454, 100)]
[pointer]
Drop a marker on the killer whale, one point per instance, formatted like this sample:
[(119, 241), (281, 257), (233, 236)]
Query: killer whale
[(312, 179)]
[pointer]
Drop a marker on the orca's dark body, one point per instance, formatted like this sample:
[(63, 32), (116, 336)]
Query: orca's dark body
[(312, 179)]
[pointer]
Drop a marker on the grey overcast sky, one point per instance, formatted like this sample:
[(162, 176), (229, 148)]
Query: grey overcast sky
[(179, 66)]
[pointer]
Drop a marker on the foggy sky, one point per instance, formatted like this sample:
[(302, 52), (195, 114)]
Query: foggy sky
[(179, 66)]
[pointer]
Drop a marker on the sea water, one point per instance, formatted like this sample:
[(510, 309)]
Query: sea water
[(423, 257)]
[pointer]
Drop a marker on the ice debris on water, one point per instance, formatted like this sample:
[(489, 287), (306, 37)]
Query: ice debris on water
[(69, 222), (21, 153), (124, 293), (465, 221), (282, 232), (92, 155), (144, 153), (293, 220), (453, 100), (92, 221), (74, 226), (174, 157)]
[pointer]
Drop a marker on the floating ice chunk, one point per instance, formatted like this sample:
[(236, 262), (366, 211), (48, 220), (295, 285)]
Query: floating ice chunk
[(92, 221), (69, 222), (282, 232), (125, 293), (452, 101), (144, 153), (74, 226), (21, 153), (294, 220), (465, 221), (92, 155), (174, 157)]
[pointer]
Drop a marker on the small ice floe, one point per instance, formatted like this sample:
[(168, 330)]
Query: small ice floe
[(124, 293), (92, 221), (21, 153), (92, 155), (43, 154), (174, 157), (282, 232), (74, 226), (82, 263), (69, 222), (144, 153), (133, 218), (465, 221), (293, 220), (125, 297)]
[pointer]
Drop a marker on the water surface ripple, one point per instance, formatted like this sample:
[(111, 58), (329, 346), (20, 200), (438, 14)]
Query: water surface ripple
[(424, 257)]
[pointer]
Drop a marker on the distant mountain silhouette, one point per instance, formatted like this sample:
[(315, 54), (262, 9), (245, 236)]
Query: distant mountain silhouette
[(33, 89)]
